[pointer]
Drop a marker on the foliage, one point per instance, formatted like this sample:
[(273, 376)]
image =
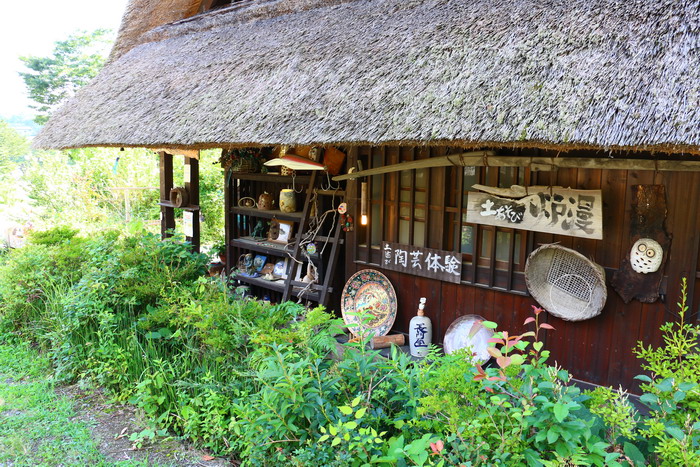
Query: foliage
[(538, 415), (13, 147), (672, 393), (617, 412), (269, 384), (72, 64)]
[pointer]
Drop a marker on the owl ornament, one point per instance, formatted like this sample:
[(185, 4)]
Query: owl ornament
[(646, 256)]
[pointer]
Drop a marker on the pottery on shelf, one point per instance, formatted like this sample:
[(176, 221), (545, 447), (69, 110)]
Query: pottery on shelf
[(288, 200)]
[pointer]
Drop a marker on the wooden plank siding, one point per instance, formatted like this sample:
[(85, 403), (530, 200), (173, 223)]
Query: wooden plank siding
[(597, 350)]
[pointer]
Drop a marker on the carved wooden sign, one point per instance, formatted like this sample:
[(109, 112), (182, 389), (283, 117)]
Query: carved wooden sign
[(556, 210), (426, 262)]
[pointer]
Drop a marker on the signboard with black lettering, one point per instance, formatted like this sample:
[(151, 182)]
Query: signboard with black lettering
[(426, 262), (555, 210)]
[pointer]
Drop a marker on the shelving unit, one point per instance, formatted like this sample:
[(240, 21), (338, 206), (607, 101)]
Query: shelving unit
[(240, 223), (167, 209)]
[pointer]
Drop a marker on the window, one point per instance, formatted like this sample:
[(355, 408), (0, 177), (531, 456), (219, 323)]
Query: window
[(428, 207)]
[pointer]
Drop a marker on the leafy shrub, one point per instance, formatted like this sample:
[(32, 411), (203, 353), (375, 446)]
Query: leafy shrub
[(672, 393), (54, 236), (537, 417), (269, 384)]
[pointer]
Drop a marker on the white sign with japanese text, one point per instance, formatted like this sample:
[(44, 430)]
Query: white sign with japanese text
[(556, 210), (427, 262)]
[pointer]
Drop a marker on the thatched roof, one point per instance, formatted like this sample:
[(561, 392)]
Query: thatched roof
[(591, 73)]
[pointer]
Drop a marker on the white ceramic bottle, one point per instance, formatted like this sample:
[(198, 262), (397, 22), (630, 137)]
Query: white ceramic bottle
[(420, 332)]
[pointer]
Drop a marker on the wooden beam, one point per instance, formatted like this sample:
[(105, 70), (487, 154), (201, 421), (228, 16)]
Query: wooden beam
[(489, 158), (167, 214), (192, 187)]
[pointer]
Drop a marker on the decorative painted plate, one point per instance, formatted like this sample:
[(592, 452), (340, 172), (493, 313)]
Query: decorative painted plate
[(369, 303)]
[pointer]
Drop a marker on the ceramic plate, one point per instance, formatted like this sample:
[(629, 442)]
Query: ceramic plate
[(369, 292), (466, 331)]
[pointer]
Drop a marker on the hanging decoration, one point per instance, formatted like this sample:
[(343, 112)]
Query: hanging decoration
[(638, 278), (567, 284), (646, 256)]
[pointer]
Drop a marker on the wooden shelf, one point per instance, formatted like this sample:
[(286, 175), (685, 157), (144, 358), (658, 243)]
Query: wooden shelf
[(278, 286), (338, 193), (168, 204), (285, 216), (261, 246), (272, 177)]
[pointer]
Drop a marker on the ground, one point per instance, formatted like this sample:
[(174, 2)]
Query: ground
[(111, 424), (72, 426)]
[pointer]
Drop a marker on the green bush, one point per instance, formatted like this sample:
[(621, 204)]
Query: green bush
[(672, 393), (269, 385)]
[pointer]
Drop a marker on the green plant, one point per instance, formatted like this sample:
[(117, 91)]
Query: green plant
[(672, 393), (617, 412), (538, 414), (363, 445)]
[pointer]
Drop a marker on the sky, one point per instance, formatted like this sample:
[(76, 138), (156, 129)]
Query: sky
[(32, 28)]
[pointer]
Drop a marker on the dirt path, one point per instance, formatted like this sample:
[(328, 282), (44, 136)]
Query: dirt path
[(111, 424)]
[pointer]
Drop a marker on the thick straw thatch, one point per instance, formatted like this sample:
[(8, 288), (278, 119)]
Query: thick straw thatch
[(142, 16), (591, 73)]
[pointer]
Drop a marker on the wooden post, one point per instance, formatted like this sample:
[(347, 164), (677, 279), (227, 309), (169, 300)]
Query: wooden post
[(167, 214), (192, 187)]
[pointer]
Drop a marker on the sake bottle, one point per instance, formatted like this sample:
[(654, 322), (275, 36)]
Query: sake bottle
[(420, 332)]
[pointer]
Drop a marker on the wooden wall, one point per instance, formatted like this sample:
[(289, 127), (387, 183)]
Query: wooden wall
[(597, 350)]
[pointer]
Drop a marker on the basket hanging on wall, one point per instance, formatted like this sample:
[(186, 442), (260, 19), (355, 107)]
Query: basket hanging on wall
[(566, 283)]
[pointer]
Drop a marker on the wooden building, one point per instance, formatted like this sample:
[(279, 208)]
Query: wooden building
[(593, 95)]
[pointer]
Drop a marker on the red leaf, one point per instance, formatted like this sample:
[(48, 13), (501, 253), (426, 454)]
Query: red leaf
[(503, 362), (529, 320), (475, 328), (494, 352), (488, 389), (514, 342), (208, 458), (437, 447), (479, 377), (547, 326), (495, 340), (537, 309)]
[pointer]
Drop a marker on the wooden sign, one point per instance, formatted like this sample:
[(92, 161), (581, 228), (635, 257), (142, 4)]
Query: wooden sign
[(555, 210), (426, 262), (188, 223)]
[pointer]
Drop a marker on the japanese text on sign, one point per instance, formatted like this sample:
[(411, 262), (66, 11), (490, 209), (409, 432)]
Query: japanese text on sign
[(427, 262), (560, 211)]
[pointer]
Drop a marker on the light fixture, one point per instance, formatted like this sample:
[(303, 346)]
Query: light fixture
[(364, 219)]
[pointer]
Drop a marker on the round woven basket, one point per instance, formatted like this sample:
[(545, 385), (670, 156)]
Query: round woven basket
[(566, 283)]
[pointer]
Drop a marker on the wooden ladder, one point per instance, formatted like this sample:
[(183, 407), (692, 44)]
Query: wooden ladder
[(317, 292)]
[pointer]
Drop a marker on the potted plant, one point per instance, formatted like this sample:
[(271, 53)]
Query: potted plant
[(219, 250)]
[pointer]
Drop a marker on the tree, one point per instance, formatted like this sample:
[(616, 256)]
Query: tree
[(72, 64), (13, 147)]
